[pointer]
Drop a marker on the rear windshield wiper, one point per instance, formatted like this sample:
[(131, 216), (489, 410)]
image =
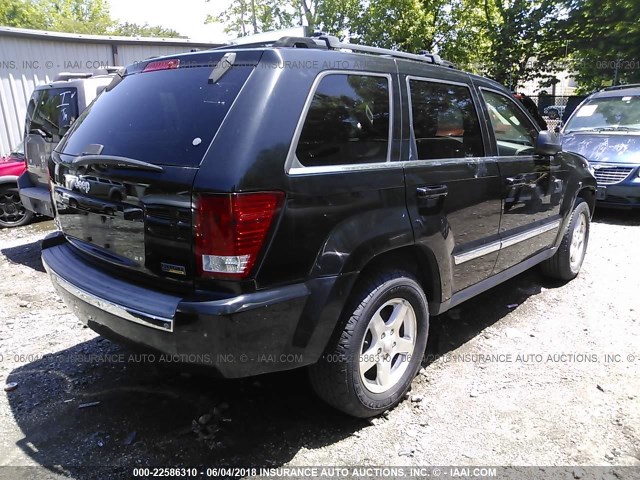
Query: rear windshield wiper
[(113, 161)]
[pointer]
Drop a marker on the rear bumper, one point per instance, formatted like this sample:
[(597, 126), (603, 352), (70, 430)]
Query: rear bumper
[(36, 199), (238, 336)]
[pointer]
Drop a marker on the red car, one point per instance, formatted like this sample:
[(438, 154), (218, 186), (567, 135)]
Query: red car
[(12, 212)]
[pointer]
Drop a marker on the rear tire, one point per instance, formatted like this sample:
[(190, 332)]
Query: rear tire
[(12, 211), (567, 261), (372, 360)]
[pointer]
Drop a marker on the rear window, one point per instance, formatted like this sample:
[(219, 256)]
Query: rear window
[(51, 112), (347, 123), (166, 117)]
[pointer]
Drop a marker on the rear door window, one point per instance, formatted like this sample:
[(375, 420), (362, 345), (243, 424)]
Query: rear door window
[(51, 112), (348, 122), (445, 122), (166, 117)]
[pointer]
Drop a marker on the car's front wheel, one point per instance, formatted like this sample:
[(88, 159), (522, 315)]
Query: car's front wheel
[(12, 211), (373, 359)]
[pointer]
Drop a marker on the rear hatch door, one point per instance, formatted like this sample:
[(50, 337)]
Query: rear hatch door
[(123, 176)]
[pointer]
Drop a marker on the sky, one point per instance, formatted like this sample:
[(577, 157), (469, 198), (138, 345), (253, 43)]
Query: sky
[(184, 16)]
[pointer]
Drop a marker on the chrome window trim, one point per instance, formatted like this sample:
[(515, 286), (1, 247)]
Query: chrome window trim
[(120, 311), (293, 166), (434, 80), (439, 162), (505, 242), (413, 149)]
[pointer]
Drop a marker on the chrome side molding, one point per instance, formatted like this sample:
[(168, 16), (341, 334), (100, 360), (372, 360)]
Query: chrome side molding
[(504, 243)]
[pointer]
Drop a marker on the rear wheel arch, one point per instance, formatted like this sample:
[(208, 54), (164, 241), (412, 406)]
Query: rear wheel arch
[(420, 262)]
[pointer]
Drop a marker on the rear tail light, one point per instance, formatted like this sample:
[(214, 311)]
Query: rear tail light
[(230, 231), (162, 65)]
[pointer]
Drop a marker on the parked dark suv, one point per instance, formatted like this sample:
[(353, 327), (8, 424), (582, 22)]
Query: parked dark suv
[(302, 205)]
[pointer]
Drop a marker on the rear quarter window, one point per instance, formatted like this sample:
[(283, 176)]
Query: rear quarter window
[(347, 122), (166, 117)]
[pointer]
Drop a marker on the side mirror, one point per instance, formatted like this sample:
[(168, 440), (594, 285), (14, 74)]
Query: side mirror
[(547, 144)]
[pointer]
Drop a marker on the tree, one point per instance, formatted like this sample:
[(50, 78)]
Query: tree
[(600, 40), (516, 29), (78, 16), (73, 16), (246, 17), (134, 30), (21, 14)]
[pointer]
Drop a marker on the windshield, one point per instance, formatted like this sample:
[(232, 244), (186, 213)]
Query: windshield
[(607, 114), (166, 117)]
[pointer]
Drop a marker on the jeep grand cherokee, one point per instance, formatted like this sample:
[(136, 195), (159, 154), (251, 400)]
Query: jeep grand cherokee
[(284, 216)]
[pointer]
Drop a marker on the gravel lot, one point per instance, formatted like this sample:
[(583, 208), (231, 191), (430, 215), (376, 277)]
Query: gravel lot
[(530, 373)]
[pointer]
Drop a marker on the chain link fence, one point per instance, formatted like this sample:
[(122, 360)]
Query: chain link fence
[(556, 109)]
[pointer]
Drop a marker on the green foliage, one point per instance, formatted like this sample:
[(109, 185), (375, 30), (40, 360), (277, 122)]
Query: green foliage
[(601, 38), (21, 14), (516, 29), (127, 29), (73, 16), (77, 16), (246, 17)]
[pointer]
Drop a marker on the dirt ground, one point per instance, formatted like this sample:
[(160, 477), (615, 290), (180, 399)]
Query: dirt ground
[(530, 373)]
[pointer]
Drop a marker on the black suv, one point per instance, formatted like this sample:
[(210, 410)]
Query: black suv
[(299, 204)]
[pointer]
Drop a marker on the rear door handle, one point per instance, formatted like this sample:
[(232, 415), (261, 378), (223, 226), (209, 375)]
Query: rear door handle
[(429, 192)]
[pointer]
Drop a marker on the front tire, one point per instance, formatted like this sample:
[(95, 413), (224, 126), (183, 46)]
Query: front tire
[(567, 261), (371, 362)]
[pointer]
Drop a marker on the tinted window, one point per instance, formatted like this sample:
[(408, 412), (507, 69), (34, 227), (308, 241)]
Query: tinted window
[(51, 112), (347, 122), (515, 134), (166, 117), (445, 122)]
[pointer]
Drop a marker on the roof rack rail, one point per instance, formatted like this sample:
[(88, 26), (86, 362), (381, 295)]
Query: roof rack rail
[(333, 43), (621, 87), (283, 42), (329, 42)]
